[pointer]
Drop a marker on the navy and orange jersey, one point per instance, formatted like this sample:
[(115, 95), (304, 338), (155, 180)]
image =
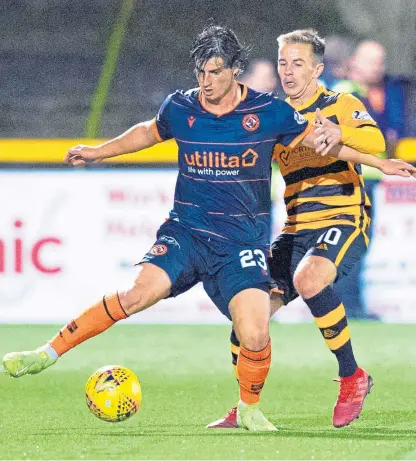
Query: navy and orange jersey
[(323, 191), (224, 180)]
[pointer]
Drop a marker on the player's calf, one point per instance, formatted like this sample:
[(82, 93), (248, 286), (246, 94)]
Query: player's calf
[(93, 321), (152, 281), (151, 285), (229, 421), (250, 312)]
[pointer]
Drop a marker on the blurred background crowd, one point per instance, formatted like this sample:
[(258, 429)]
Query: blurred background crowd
[(53, 52)]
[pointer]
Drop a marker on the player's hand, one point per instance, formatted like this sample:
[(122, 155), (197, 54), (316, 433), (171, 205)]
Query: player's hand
[(397, 167), (80, 155), (328, 134)]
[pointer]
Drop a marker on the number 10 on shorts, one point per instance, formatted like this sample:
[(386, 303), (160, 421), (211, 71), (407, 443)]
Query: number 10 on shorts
[(250, 258), (331, 236)]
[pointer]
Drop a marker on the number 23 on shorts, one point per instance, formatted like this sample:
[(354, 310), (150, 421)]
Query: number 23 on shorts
[(250, 258)]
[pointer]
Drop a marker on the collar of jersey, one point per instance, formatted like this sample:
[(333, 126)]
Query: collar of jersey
[(244, 92), (321, 89)]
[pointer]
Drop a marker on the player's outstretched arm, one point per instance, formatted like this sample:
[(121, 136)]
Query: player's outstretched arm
[(136, 138), (393, 167), (367, 139)]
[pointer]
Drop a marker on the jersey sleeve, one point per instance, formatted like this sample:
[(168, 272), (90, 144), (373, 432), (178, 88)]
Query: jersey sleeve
[(358, 129), (292, 127), (163, 121), (354, 113)]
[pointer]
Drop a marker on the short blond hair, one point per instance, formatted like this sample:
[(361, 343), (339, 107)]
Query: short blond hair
[(308, 36)]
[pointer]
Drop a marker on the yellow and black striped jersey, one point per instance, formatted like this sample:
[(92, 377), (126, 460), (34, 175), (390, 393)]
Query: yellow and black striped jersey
[(323, 191)]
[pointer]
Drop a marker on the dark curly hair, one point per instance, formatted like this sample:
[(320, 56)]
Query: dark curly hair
[(219, 42)]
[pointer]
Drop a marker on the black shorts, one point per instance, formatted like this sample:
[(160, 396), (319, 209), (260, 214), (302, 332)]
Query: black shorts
[(343, 245)]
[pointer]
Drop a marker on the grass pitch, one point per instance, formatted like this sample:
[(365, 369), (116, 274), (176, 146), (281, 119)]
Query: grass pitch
[(188, 382)]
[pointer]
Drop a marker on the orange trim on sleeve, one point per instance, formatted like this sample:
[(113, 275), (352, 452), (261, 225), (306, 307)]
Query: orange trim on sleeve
[(300, 137), (156, 131)]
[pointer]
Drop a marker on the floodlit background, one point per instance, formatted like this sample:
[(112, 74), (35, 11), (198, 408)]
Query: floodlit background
[(53, 52), (75, 71)]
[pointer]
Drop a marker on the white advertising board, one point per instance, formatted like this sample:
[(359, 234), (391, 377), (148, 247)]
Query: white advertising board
[(68, 237), (390, 268)]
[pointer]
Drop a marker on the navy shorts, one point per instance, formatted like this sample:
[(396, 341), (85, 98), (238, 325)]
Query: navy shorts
[(343, 245), (225, 268)]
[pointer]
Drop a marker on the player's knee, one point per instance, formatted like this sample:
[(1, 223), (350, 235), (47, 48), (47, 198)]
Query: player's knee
[(276, 302), (309, 283), (255, 344), (255, 338)]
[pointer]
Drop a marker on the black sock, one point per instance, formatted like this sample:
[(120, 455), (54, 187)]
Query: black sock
[(235, 350), (329, 313)]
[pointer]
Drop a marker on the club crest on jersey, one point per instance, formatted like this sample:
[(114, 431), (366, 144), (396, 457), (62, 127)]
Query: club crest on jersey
[(299, 118), (251, 122), (191, 121), (158, 250), (169, 240), (357, 115), (284, 157)]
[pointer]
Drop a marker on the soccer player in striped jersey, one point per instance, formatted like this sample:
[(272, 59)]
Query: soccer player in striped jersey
[(326, 232)]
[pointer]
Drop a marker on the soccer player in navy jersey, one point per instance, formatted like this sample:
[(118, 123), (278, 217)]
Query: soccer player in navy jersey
[(219, 228), (326, 232)]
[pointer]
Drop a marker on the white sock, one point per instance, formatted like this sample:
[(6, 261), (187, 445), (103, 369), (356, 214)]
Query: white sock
[(49, 350)]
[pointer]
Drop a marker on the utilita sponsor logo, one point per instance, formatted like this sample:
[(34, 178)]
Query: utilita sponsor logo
[(16, 254), (221, 160)]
